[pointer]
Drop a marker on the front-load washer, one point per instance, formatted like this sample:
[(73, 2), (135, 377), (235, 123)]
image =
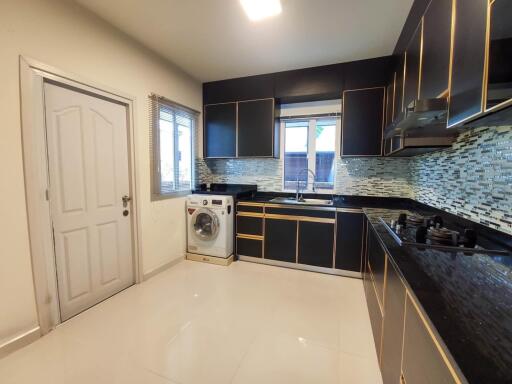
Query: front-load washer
[(209, 226)]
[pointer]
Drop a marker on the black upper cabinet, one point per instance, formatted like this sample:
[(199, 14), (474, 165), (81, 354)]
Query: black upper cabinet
[(362, 122), (399, 87), (220, 130), (468, 61), (256, 128), (243, 88), (499, 78), (435, 69), (367, 73), (349, 240), (412, 67), (309, 84), (316, 244)]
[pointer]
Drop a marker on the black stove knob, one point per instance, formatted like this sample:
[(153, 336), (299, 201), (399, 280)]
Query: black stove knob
[(421, 234), (438, 221), (402, 219), (469, 238)]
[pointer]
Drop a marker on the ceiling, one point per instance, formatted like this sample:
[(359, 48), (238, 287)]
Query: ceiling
[(214, 39)]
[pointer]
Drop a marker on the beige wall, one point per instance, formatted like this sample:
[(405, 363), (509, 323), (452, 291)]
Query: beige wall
[(65, 36)]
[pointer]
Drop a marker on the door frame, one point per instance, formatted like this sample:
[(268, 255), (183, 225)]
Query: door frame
[(33, 74)]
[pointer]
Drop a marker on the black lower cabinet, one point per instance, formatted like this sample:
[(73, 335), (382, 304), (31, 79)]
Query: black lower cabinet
[(249, 247), (375, 314), (349, 240), (376, 262), (249, 225), (281, 240), (422, 360), (316, 244), (392, 331)]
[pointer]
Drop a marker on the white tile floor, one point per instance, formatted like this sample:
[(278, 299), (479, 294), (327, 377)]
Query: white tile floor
[(200, 323)]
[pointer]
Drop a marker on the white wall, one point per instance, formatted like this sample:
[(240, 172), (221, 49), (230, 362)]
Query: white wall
[(63, 35)]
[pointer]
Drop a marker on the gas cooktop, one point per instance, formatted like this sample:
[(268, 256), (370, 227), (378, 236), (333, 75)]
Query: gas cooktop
[(429, 232)]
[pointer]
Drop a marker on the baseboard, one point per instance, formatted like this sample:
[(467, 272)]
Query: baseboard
[(19, 341), (210, 259), (163, 267)]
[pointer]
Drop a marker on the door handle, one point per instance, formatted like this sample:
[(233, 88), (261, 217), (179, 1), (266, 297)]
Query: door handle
[(125, 200)]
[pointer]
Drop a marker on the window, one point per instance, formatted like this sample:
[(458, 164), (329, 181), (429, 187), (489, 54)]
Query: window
[(171, 146), (309, 144)]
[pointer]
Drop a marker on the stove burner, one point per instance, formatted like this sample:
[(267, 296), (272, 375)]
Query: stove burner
[(428, 231)]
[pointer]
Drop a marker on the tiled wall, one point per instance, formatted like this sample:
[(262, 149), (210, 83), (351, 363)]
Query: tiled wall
[(472, 179), (355, 176)]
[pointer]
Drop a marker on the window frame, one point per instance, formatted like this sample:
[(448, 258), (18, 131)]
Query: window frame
[(156, 103), (311, 156)]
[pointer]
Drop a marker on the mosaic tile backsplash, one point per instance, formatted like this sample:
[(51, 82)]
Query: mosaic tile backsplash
[(472, 179)]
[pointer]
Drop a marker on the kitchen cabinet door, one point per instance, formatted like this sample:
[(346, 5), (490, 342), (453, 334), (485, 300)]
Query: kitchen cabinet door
[(435, 68), (499, 78), (412, 67), (390, 99), (468, 61), (375, 313), (399, 88), (376, 263), (349, 240), (249, 225), (220, 130), (256, 128), (249, 247), (316, 244), (281, 240), (422, 361), (362, 122), (393, 327)]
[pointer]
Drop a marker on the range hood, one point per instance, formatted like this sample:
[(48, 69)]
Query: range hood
[(421, 128)]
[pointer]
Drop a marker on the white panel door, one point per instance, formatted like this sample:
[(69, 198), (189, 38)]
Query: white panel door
[(88, 164)]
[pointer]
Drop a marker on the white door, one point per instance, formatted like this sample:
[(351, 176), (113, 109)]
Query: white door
[(88, 164)]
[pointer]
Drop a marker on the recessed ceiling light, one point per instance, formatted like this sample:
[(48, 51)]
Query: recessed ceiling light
[(260, 9)]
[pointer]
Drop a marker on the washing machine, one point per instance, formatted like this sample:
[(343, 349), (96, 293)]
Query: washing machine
[(210, 228)]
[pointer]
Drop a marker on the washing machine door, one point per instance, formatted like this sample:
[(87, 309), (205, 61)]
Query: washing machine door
[(205, 224)]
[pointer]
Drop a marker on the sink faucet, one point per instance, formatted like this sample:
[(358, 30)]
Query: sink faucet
[(298, 195)]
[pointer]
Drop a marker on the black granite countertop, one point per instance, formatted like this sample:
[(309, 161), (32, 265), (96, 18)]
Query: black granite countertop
[(468, 299), (339, 201)]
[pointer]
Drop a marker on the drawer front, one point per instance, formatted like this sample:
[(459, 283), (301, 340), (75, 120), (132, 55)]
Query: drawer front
[(249, 208), (248, 225), (249, 247), (319, 213)]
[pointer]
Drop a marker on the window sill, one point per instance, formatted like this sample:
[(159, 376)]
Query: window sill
[(172, 195)]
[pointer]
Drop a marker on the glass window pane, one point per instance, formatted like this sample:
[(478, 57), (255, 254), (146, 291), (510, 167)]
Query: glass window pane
[(184, 155), (296, 153), (166, 128), (325, 152)]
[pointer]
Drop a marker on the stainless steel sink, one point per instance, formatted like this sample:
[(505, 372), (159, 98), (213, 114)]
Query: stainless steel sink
[(292, 200)]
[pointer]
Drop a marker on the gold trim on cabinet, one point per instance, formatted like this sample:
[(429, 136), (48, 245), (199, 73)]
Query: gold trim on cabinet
[(403, 81), (349, 210), (431, 333), (394, 96), (452, 42), (250, 204), (334, 243), (297, 244), (250, 214), (299, 218), (421, 56), (249, 237)]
